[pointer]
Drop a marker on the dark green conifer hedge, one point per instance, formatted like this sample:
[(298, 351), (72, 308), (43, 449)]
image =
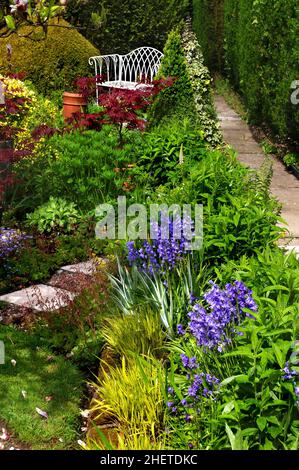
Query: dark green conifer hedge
[(127, 24), (256, 44)]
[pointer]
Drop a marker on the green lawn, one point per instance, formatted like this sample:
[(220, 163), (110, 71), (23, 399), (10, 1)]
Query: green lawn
[(39, 374)]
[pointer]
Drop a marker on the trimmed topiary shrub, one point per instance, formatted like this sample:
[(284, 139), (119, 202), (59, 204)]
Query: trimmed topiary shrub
[(52, 63), (179, 96), (191, 93)]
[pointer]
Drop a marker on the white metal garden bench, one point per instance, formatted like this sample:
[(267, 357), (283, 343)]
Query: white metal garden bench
[(131, 71)]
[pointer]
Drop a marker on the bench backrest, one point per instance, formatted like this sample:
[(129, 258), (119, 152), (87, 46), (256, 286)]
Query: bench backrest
[(139, 65)]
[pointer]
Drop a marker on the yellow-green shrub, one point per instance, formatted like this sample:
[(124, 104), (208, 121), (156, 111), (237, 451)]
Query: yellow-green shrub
[(34, 111), (52, 63), (132, 395), (15, 89), (139, 333)]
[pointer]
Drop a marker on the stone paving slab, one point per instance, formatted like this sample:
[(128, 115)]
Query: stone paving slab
[(249, 148), (73, 282), (239, 135), (87, 267), (40, 298), (283, 180), (227, 117), (252, 161), (233, 125)]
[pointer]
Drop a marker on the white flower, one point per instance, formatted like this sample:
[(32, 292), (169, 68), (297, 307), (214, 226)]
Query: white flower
[(42, 413), (4, 435), (21, 5), (82, 444), (84, 413)]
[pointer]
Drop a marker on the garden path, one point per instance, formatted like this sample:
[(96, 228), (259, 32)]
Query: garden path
[(285, 186)]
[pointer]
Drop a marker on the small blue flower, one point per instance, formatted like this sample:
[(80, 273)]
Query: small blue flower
[(288, 373), (181, 330), (213, 326), (166, 249), (185, 360)]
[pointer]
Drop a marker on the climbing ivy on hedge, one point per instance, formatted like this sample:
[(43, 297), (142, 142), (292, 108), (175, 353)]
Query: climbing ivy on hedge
[(258, 41), (200, 80), (127, 24)]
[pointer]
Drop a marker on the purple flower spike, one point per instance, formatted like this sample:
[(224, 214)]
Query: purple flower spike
[(213, 326), (181, 330), (166, 249)]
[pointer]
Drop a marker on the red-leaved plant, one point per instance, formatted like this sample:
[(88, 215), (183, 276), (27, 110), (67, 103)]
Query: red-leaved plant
[(122, 107), (87, 86)]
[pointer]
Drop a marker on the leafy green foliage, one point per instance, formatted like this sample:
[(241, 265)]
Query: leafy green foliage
[(86, 168), (256, 406), (240, 217), (292, 159), (165, 148), (128, 24), (56, 216)]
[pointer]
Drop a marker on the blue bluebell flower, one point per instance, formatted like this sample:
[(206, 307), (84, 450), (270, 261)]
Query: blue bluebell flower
[(289, 374), (11, 241), (213, 326), (166, 249)]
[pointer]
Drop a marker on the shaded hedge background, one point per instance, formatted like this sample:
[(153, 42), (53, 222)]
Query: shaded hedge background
[(256, 44), (52, 63), (127, 24)]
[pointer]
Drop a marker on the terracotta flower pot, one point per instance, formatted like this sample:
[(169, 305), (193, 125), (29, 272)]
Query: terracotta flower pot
[(73, 103)]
